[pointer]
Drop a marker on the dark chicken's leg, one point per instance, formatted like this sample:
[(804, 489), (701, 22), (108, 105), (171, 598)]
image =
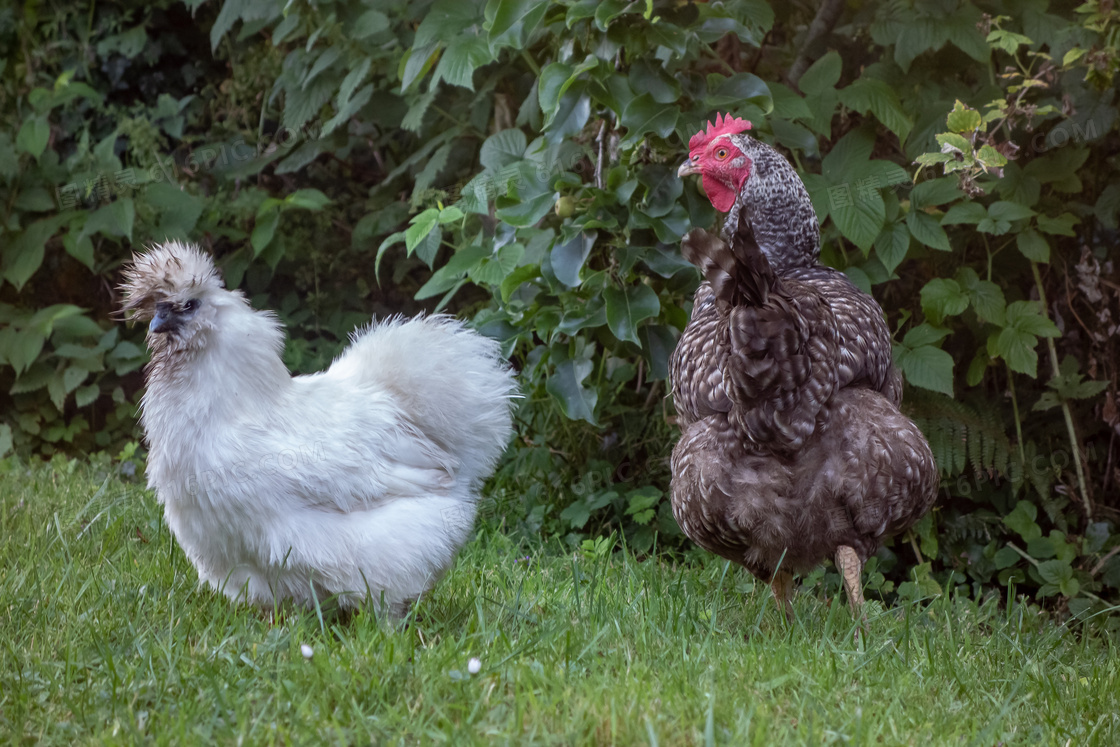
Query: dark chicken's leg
[(782, 586), (850, 567)]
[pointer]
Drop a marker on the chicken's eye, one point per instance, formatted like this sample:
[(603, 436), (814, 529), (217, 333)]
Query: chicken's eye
[(191, 305), (721, 153)]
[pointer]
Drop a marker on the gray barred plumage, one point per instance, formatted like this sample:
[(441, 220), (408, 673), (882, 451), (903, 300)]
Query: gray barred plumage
[(792, 447)]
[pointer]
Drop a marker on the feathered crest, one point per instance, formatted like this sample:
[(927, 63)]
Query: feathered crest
[(163, 271), (725, 125)]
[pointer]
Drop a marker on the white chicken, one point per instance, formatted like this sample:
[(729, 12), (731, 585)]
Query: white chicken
[(359, 481)]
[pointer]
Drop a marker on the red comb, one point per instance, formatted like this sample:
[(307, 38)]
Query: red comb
[(725, 125)]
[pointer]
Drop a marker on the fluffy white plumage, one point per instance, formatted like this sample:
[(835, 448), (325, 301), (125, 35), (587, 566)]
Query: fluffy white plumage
[(360, 479)]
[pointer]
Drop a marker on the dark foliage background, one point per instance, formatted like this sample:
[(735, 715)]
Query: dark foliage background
[(514, 162)]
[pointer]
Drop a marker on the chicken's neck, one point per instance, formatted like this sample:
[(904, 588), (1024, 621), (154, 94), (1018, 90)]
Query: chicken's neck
[(775, 207)]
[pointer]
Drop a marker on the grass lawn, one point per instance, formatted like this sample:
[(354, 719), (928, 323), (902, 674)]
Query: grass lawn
[(107, 638)]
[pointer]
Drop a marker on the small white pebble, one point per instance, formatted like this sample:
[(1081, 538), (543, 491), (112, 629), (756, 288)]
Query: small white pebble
[(474, 665), (306, 650)]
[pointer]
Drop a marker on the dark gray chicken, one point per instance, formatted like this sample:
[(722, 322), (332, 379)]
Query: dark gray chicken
[(762, 196), (779, 466)]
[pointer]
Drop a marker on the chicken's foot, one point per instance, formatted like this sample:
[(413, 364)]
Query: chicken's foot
[(782, 586), (850, 567)]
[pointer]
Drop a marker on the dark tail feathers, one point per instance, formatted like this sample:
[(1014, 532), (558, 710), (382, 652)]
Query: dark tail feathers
[(739, 274)]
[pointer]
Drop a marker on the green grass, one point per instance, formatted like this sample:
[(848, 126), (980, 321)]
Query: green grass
[(107, 638)]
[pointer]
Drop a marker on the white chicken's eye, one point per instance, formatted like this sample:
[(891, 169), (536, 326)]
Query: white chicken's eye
[(191, 305)]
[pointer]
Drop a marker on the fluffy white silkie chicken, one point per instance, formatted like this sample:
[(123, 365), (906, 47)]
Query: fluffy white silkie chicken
[(357, 481)]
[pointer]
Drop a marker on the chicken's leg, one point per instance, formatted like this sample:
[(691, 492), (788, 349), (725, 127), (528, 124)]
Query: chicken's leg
[(850, 567), (782, 586)]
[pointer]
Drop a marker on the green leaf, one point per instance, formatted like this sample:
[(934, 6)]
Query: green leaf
[(309, 199), (24, 255), (422, 224), (115, 219), (33, 135), (644, 115), (928, 367), (565, 384), (953, 141), (985, 296), (373, 21), (924, 334), (1059, 226), (964, 212), (875, 96), (626, 307), (567, 259), (1021, 520), (5, 439), (1027, 316), (503, 149), (942, 297), (1033, 246), (963, 119), (892, 245), (87, 395), (739, 89), (822, 74), (934, 192), (925, 229), (264, 230), (461, 58), (511, 21), (1009, 211), (1017, 348)]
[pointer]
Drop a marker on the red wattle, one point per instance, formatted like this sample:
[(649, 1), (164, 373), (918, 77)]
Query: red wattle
[(721, 197)]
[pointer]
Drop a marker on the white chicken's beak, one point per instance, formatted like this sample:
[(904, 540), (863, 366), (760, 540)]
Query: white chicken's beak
[(691, 166)]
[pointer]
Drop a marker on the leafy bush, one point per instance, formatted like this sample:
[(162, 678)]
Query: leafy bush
[(515, 161)]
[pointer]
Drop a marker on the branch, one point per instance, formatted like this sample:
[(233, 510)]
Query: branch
[(825, 20)]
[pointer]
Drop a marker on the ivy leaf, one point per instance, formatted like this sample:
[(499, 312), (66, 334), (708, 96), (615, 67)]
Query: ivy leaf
[(644, 115), (565, 384), (568, 258), (626, 307)]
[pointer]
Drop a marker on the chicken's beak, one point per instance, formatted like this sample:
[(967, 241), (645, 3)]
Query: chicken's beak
[(165, 320), (691, 166)]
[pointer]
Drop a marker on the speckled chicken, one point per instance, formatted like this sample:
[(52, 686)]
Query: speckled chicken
[(792, 448), (762, 196)]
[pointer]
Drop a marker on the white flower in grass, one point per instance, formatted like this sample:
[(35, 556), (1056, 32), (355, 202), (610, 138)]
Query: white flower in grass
[(306, 650), (474, 665)]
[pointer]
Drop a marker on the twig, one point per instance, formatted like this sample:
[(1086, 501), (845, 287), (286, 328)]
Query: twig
[(1097, 568), (826, 18), (1065, 404), (599, 160), (914, 544)]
